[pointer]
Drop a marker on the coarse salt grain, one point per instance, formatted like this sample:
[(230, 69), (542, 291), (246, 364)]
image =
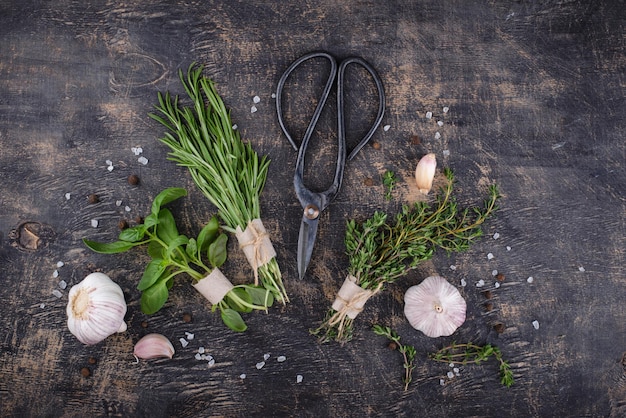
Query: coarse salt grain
[(451, 365), (211, 362), (60, 264), (456, 371), (189, 336), (429, 115), (508, 248), (386, 128), (142, 160), (118, 203), (581, 269), (42, 305), (273, 95), (489, 256), (437, 135), (450, 375), (62, 284), (299, 378), (253, 109), (136, 150), (235, 127), (260, 365), (57, 293), (496, 235), (110, 168), (446, 153), (201, 350), (242, 376), (494, 272), (280, 359), (536, 324), (67, 196), (463, 282), (55, 274), (127, 208), (452, 267), (266, 356), (109, 162), (256, 99), (440, 123), (442, 382), (183, 342), (480, 283), (496, 285), (198, 356), (530, 279), (94, 223), (446, 109)]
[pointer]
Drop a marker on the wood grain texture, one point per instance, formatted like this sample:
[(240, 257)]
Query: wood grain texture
[(536, 98)]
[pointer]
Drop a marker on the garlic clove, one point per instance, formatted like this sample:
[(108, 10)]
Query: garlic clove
[(153, 346), (425, 172), (95, 309), (435, 307)]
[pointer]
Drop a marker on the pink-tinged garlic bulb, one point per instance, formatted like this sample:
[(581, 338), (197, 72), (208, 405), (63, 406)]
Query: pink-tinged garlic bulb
[(95, 309), (153, 346), (425, 173), (434, 307)]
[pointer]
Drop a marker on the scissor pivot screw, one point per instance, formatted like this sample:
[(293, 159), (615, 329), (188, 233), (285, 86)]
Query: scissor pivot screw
[(311, 211)]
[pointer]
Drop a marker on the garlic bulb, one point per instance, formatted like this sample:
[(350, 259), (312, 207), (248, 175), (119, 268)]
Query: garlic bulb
[(153, 346), (434, 307), (95, 309), (425, 172)]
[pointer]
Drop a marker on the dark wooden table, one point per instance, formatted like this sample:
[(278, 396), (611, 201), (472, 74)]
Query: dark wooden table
[(535, 92)]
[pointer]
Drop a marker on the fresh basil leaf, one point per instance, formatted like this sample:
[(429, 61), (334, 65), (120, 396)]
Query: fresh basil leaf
[(154, 297), (166, 230), (208, 234), (217, 251), (234, 298), (154, 270), (233, 320), (177, 242), (109, 247), (151, 220), (192, 247), (167, 196), (134, 234), (260, 296), (156, 250)]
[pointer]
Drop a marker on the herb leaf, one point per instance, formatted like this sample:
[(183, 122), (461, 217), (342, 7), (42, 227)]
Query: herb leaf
[(233, 320), (110, 247), (154, 270), (154, 297), (217, 251), (167, 196)]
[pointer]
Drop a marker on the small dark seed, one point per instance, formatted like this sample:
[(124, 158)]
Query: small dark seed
[(85, 372), (368, 182), (415, 140), (187, 317), (487, 294), (376, 145), (144, 324), (93, 198), (138, 219), (133, 180), (392, 345), (489, 307), (92, 360), (122, 224), (499, 327), (500, 277)]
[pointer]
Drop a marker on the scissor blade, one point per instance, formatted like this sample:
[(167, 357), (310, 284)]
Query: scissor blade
[(306, 241)]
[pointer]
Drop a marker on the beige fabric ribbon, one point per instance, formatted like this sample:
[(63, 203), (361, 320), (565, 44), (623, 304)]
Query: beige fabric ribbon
[(256, 245), (350, 301), (214, 286)]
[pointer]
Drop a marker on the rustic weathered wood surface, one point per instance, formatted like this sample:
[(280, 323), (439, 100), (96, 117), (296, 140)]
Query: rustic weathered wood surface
[(536, 98)]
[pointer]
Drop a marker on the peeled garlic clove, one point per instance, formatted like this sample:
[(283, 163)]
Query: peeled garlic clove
[(425, 172), (434, 307), (95, 309), (154, 346)]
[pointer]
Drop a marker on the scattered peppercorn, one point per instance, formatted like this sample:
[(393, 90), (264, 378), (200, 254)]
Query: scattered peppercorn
[(487, 294), (499, 327), (92, 360), (122, 224), (376, 145), (93, 198), (500, 277), (138, 219), (368, 182), (85, 372), (144, 324), (133, 179), (392, 345), (415, 140), (489, 306), (187, 317)]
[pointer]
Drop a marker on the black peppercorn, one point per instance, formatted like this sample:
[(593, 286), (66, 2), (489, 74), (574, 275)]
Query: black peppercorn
[(133, 179), (93, 198)]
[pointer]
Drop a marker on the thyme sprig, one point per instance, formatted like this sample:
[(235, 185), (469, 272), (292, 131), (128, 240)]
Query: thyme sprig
[(382, 248), (389, 181), (472, 353), (227, 170), (408, 351)]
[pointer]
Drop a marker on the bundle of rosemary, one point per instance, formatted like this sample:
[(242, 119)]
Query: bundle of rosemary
[(381, 250), (227, 170)]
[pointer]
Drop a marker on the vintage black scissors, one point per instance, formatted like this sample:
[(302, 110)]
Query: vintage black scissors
[(314, 203)]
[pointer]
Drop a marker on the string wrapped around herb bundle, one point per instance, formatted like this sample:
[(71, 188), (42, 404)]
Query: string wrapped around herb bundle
[(383, 249), (227, 170)]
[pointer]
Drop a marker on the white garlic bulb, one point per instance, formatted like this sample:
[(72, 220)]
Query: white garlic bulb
[(434, 307), (96, 309)]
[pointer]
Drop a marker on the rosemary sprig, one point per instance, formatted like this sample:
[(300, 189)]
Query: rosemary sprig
[(227, 170), (382, 249), (389, 181), (472, 353), (408, 351)]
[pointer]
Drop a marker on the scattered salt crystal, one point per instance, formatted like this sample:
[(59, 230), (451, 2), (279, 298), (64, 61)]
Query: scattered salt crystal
[(189, 335), (127, 208), (266, 356), (536, 324), (242, 376), (496, 235), (136, 150), (201, 350), (235, 127), (110, 168), (446, 109), (508, 248), (530, 279), (211, 362), (142, 160), (118, 203), (480, 283), (60, 264), (451, 365), (386, 128), (198, 356), (94, 223), (442, 382), (109, 162), (463, 282), (450, 375), (496, 285), (299, 378), (260, 365), (429, 115), (256, 99), (440, 123), (67, 196), (452, 267), (57, 293), (437, 135), (446, 153), (494, 272), (489, 256), (456, 370), (183, 342), (62, 284), (273, 95), (43, 305), (55, 274), (253, 109), (581, 269), (280, 359)]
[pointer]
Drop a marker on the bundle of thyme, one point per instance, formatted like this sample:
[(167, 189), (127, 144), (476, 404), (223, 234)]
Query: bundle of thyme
[(383, 249), (227, 170)]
